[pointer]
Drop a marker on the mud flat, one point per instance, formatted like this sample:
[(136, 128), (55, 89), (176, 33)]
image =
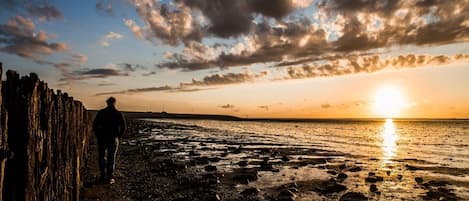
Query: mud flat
[(176, 162)]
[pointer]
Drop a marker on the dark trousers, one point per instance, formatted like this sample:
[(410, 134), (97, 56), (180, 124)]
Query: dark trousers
[(107, 163)]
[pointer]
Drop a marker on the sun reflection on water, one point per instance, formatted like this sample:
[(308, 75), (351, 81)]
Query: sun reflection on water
[(389, 141)]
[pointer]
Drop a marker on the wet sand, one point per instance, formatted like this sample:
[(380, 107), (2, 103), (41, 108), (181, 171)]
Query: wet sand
[(156, 162)]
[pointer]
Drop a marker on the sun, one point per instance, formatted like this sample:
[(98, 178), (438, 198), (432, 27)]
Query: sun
[(389, 101)]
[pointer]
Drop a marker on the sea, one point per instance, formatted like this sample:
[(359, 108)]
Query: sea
[(435, 150)]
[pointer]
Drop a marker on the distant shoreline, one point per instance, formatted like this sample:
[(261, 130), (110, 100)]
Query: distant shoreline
[(165, 115)]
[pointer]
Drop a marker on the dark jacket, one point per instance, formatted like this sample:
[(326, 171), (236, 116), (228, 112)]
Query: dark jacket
[(109, 123)]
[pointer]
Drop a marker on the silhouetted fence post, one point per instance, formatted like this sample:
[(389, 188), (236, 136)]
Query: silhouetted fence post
[(47, 135)]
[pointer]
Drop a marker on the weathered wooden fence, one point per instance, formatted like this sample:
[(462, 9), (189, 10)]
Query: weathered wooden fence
[(43, 138)]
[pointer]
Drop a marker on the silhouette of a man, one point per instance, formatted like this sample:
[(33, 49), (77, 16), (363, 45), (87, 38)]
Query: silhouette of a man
[(109, 125)]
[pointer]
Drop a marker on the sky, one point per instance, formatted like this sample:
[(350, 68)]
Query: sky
[(248, 58)]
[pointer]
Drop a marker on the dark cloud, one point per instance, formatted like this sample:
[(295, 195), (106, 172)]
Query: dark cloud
[(179, 20), (40, 9), (131, 68), (104, 8), (207, 83), (224, 79), (17, 36), (227, 106), (357, 26), (44, 12), (95, 73)]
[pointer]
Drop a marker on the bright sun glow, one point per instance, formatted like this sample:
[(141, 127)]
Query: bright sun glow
[(389, 101)]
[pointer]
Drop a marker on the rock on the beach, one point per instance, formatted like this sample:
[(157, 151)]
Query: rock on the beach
[(250, 192), (373, 178), (328, 187), (399, 177), (210, 168), (355, 169), (342, 176), (286, 195), (353, 196), (373, 188), (245, 176), (243, 163), (285, 158), (419, 180)]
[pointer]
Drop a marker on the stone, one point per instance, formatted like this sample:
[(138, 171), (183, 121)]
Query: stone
[(373, 188), (419, 180), (328, 187), (342, 176), (355, 169), (210, 168), (353, 196), (286, 195), (374, 179), (250, 192), (243, 163)]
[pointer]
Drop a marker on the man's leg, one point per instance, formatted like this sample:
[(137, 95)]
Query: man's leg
[(112, 152), (102, 159)]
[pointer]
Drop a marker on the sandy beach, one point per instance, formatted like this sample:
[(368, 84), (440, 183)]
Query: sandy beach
[(174, 166)]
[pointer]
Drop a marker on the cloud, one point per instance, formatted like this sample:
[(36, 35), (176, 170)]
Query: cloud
[(187, 20), (95, 73), (369, 64), (18, 36), (227, 106), (347, 105), (206, 83), (79, 58), (264, 107), (32, 8), (224, 79), (326, 106), (45, 12), (131, 68), (340, 27), (104, 8), (108, 37)]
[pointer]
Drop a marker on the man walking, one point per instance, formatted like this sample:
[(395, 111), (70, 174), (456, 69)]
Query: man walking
[(109, 125)]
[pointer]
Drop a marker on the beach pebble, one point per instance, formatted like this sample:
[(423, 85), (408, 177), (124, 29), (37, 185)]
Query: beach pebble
[(243, 163), (399, 177), (355, 169), (341, 176), (330, 186), (210, 168), (332, 172), (342, 166), (374, 179), (286, 195), (373, 188), (419, 180), (353, 196), (250, 192)]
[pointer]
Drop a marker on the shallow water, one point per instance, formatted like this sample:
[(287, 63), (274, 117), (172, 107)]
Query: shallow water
[(438, 150)]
